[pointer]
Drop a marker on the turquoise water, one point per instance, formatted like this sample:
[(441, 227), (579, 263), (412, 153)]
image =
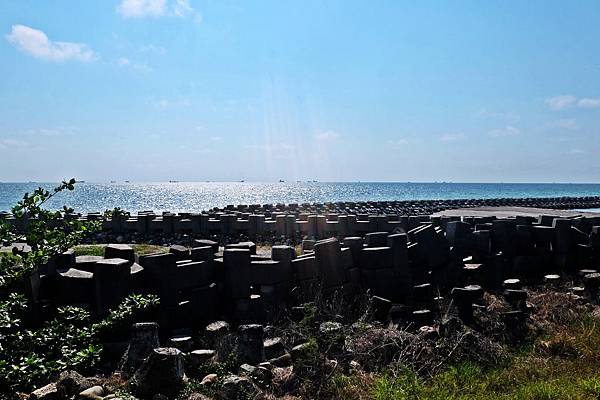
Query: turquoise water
[(198, 196)]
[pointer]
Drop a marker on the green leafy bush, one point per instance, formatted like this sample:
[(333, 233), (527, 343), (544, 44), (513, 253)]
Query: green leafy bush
[(31, 355), (117, 324)]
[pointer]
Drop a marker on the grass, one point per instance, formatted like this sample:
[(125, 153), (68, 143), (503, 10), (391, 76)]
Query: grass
[(468, 381), (561, 365), (98, 249)]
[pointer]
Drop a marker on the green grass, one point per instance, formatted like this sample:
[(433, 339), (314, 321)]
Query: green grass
[(90, 250), (469, 382), (562, 365), (98, 249), (142, 249)]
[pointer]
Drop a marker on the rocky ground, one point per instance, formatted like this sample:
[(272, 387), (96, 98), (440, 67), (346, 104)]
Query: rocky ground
[(344, 350)]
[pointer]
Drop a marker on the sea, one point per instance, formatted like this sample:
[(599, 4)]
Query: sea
[(200, 196)]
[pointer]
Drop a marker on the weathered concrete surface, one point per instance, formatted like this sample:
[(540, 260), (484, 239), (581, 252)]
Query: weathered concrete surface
[(505, 212)]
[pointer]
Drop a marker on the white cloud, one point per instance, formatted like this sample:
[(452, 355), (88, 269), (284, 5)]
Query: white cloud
[(508, 116), (142, 8), (589, 103), (156, 8), (150, 48), (126, 62), (166, 103), (506, 131), (10, 143), (397, 142), (327, 136), (51, 132), (570, 124), (181, 8), (575, 151), (277, 148), (36, 44), (560, 102), (452, 137)]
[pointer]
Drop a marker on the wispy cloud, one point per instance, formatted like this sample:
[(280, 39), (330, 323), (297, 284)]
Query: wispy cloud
[(506, 131), (276, 149), (560, 102), (327, 136), (50, 132), (36, 44), (589, 103), (397, 142), (166, 103), (507, 116), (10, 143), (157, 8), (126, 62), (560, 139), (566, 101), (151, 48), (576, 151), (570, 124), (452, 137)]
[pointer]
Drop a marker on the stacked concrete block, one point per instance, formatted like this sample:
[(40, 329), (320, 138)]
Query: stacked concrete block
[(329, 263), (482, 244), (504, 236), (562, 243), (306, 277), (459, 234), (204, 253), (120, 251), (180, 252), (160, 270), (376, 239), (378, 274), (431, 245), (65, 260), (206, 242), (87, 263), (243, 245), (525, 243), (75, 286), (204, 304), (236, 273), (464, 298), (111, 283), (353, 281)]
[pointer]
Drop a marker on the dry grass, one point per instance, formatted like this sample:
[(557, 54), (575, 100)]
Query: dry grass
[(98, 249)]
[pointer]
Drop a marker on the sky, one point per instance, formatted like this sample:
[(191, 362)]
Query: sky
[(191, 90)]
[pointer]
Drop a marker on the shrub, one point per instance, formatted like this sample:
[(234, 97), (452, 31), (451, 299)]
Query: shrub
[(31, 355)]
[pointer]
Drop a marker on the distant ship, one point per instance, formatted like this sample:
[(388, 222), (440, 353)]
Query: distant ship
[(173, 181), (126, 181), (113, 181), (281, 180)]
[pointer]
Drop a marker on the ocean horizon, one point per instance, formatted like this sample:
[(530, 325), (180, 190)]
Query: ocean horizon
[(178, 196)]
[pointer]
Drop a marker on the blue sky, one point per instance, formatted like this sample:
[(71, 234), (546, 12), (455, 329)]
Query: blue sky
[(330, 90)]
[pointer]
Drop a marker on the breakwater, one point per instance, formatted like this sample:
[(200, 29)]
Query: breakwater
[(299, 220), (216, 301), (459, 257)]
